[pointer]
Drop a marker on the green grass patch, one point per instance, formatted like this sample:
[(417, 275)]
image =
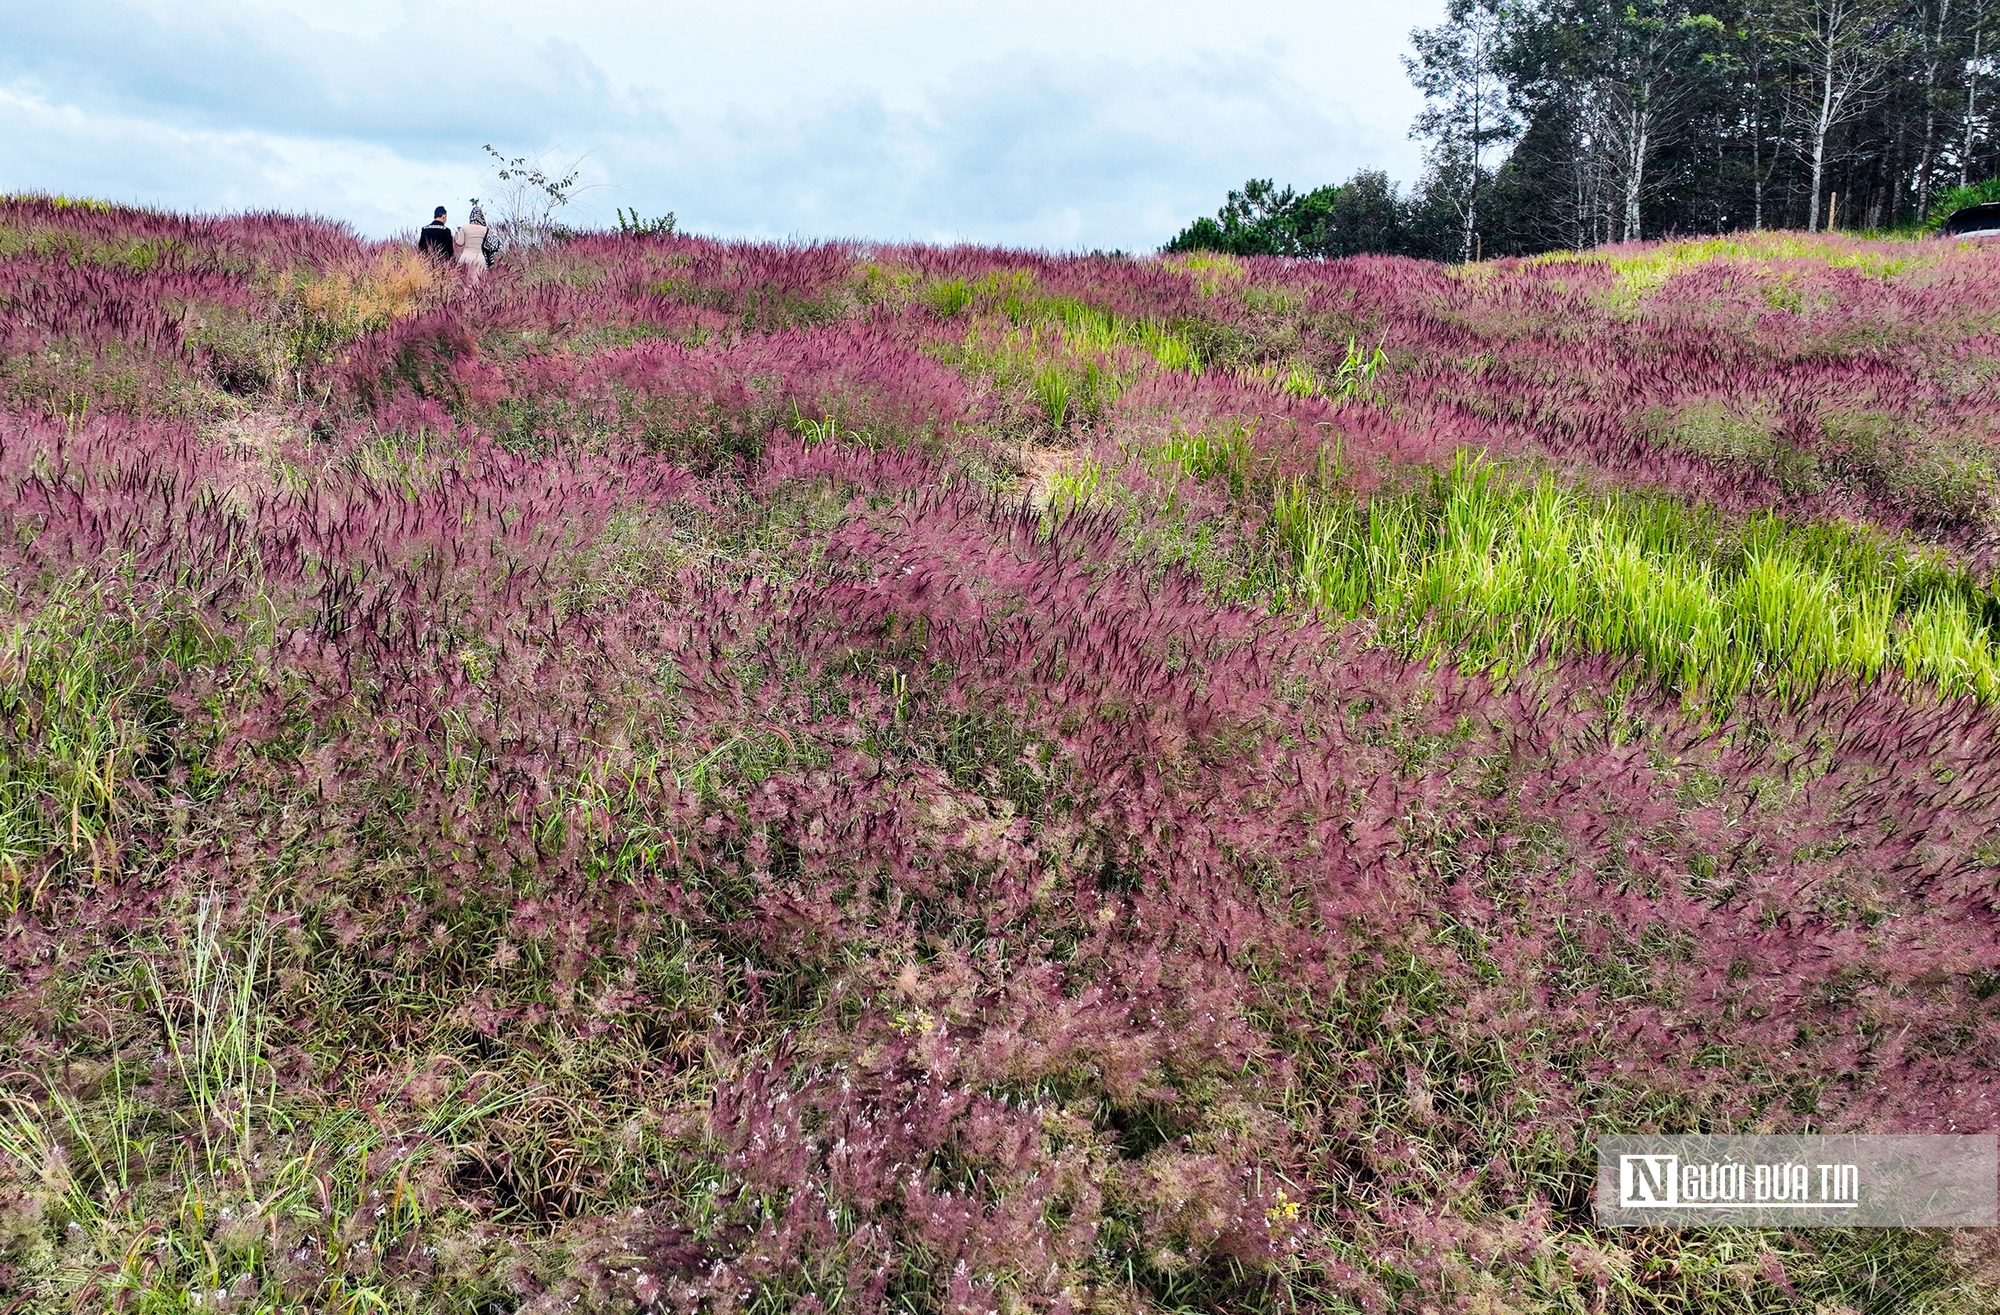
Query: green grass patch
[(1496, 571), (190, 1181), (1084, 330), (1641, 273), (86, 718), (1212, 271)]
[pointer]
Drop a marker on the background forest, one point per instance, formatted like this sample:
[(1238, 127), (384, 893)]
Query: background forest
[(1561, 124)]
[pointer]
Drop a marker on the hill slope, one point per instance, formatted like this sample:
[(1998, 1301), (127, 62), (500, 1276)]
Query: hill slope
[(726, 777)]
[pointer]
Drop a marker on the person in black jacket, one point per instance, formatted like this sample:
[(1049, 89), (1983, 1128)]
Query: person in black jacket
[(435, 239)]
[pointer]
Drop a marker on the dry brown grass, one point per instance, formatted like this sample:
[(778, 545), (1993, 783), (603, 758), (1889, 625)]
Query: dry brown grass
[(394, 283)]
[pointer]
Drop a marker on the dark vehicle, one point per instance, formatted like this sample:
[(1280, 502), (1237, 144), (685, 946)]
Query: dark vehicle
[(1980, 221)]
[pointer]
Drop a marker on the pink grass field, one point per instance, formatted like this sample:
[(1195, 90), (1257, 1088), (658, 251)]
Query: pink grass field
[(654, 784)]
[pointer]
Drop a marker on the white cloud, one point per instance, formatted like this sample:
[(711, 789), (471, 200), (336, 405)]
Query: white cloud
[(1056, 152), (440, 73), (57, 148)]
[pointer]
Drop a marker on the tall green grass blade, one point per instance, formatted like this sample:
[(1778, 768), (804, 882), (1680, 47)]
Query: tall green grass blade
[(1494, 571)]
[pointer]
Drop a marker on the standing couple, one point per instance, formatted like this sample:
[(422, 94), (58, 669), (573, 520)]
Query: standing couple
[(472, 247)]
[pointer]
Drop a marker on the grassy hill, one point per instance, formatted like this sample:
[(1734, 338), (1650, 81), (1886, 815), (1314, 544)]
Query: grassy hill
[(704, 776)]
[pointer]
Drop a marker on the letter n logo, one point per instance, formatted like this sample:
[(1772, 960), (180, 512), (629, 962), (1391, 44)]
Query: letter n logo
[(1645, 1180)]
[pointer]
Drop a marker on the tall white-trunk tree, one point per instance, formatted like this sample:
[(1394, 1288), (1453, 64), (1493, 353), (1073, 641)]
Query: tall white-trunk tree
[(1645, 58), (1844, 47), (1457, 68), (1935, 45), (1976, 69)]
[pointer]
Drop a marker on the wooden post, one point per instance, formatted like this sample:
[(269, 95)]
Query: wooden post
[(1832, 211)]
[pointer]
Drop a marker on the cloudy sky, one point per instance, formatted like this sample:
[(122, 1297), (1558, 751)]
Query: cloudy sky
[(1065, 125)]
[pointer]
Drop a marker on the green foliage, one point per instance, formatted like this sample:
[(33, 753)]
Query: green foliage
[(87, 204), (1361, 215), (1071, 487), (1497, 573), (1085, 329), (1358, 368), (1354, 376), (948, 297), (1067, 359), (1299, 381), (1051, 390), (826, 429), (1946, 476), (1958, 198), (1643, 272), (1522, 82), (1211, 453), (633, 226)]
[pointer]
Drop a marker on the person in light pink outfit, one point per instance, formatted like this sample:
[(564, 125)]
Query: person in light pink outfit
[(469, 246)]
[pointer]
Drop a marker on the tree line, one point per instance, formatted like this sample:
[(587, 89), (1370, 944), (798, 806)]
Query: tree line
[(1567, 123)]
